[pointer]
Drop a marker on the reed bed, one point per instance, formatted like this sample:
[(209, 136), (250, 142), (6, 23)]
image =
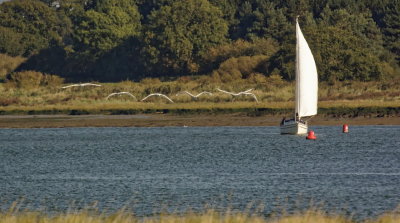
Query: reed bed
[(209, 216), (273, 93)]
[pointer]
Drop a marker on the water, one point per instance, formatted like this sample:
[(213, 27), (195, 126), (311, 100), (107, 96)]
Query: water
[(176, 168)]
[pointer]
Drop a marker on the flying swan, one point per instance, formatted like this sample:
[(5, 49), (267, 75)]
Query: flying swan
[(120, 93), (194, 96), (246, 92), (158, 94), (81, 85)]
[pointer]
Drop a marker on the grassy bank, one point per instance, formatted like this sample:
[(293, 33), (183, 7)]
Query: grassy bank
[(346, 109), (44, 95), (311, 216)]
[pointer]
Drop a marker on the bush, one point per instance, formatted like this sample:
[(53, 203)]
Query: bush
[(239, 48), (150, 81), (257, 78), (8, 64), (276, 80), (238, 68), (51, 80), (33, 79), (4, 101), (26, 79)]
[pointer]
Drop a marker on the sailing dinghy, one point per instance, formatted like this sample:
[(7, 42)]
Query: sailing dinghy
[(306, 88)]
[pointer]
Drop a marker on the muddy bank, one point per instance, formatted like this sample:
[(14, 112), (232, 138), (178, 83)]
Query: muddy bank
[(161, 120)]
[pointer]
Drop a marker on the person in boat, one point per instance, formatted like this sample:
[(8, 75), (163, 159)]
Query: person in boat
[(298, 119), (283, 120)]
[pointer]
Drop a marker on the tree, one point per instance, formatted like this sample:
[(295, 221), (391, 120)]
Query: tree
[(177, 36), (294, 8), (10, 42), (147, 6), (391, 28), (229, 9), (107, 26), (345, 46), (33, 24), (269, 22), (348, 47)]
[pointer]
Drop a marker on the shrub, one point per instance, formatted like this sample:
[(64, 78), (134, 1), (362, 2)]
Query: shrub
[(51, 80), (276, 80), (33, 79), (150, 81), (8, 64), (238, 68), (25, 79), (184, 79), (257, 78), (8, 101), (240, 48)]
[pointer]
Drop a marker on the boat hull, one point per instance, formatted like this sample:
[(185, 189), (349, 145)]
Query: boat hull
[(292, 127)]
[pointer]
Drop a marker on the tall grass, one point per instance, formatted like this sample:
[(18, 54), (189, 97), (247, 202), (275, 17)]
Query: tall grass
[(32, 91), (210, 216)]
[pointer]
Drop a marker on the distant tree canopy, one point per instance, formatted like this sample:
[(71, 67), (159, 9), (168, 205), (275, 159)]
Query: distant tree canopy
[(391, 27), (348, 46), (29, 26), (106, 26), (120, 39), (178, 34), (345, 47)]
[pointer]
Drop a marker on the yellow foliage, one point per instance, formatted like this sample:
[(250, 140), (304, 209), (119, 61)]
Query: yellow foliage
[(41, 91), (8, 64), (150, 81), (238, 48), (209, 216), (33, 79), (257, 78), (238, 68)]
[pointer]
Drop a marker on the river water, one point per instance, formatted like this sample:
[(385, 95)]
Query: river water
[(175, 169)]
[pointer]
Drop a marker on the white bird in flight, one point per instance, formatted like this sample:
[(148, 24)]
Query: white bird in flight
[(81, 85), (158, 94), (194, 96), (120, 93), (246, 92)]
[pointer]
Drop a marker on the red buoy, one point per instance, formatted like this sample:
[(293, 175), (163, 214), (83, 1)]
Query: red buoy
[(345, 128), (311, 135)]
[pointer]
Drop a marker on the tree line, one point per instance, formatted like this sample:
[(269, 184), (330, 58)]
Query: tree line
[(110, 40)]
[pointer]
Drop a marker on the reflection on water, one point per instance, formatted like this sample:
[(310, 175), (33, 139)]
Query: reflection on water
[(148, 169)]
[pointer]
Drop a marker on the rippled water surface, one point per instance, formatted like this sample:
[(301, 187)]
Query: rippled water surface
[(149, 169)]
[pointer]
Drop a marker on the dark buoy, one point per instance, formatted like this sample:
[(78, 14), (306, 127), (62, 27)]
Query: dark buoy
[(311, 135), (345, 128)]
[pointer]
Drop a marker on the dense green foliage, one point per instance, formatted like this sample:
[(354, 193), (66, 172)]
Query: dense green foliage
[(112, 40), (106, 26), (29, 26), (177, 36)]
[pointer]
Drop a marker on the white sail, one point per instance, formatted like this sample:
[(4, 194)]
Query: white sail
[(306, 78)]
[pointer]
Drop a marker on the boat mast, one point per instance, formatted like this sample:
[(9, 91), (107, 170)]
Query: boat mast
[(297, 90)]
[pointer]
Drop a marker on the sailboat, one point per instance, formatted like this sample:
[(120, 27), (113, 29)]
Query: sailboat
[(306, 88)]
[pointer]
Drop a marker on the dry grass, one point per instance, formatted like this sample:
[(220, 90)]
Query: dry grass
[(29, 90), (210, 216), (272, 92)]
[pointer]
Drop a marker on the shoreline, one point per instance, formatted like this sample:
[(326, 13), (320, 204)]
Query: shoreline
[(164, 120)]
